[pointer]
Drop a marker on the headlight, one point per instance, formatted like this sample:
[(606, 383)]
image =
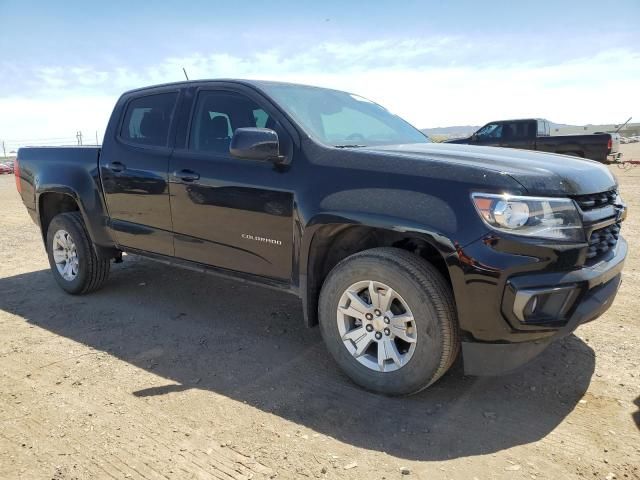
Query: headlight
[(540, 217)]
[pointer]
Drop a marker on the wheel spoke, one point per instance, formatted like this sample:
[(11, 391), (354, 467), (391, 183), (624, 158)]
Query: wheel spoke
[(65, 270), (358, 303), (362, 343), (401, 319), (386, 299), (351, 312), (387, 351), (58, 256), (373, 295), (400, 331)]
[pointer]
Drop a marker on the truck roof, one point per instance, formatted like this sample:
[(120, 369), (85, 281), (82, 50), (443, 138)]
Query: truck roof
[(239, 81), (520, 120)]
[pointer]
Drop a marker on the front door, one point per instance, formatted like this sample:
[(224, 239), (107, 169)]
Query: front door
[(134, 169), (489, 136), (227, 212)]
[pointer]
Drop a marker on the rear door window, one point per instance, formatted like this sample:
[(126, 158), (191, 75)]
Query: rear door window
[(147, 119)]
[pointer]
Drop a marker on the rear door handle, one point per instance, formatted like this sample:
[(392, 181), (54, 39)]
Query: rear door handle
[(116, 167), (187, 175)]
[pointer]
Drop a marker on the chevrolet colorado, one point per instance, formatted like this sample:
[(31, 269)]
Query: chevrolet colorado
[(404, 251), (535, 134)]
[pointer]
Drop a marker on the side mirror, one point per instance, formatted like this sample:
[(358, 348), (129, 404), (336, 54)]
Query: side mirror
[(474, 137), (255, 144)]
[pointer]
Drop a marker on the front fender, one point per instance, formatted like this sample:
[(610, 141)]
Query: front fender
[(439, 233)]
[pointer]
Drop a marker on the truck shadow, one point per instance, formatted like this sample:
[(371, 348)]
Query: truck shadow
[(250, 344)]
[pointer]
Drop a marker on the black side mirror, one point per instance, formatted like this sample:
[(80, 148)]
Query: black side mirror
[(255, 144)]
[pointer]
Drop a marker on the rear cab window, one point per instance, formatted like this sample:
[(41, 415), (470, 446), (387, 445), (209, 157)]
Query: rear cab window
[(147, 119)]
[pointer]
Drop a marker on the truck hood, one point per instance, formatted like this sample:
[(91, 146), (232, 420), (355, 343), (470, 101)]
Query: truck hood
[(539, 173)]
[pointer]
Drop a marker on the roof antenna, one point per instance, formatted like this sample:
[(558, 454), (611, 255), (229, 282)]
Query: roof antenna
[(185, 73)]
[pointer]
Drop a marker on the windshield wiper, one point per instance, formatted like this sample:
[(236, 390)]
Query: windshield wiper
[(349, 145)]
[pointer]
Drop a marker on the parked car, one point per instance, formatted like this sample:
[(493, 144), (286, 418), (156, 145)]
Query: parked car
[(535, 134), (5, 168), (404, 251)]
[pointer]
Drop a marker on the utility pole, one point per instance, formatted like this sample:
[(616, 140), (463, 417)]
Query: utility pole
[(79, 137), (4, 149), (97, 144)]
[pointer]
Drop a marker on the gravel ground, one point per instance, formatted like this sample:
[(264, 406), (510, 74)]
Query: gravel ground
[(167, 373)]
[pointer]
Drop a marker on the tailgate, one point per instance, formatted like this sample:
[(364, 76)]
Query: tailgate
[(615, 143)]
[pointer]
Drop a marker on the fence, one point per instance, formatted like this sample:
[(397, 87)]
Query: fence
[(9, 147)]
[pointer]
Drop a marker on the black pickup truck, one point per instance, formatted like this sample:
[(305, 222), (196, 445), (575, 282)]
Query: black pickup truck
[(535, 134), (404, 251)]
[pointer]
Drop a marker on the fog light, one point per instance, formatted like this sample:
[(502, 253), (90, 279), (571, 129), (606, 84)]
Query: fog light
[(544, 305), (531, 306)]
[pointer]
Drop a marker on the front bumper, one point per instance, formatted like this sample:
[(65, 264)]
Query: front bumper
[(595, 287)]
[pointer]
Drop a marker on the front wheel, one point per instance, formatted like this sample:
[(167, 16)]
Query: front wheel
[(389, 320), (74, 263)]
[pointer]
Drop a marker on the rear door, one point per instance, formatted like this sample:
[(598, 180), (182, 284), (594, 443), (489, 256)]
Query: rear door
[(227, 212), (519, 134), (134, 169)]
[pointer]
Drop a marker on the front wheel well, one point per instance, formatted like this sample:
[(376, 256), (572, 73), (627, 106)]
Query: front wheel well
[(52, 204), (333, 243)]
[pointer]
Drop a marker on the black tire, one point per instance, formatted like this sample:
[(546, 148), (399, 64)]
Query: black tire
[(431, 301), (92, 270)]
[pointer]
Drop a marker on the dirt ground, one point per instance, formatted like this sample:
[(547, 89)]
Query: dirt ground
[(168, 373)]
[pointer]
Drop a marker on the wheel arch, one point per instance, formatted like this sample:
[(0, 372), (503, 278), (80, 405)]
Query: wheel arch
[(333, 241), (56, 199)]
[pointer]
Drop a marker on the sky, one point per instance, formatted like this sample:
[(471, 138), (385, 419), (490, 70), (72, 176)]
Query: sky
[(435, 63)]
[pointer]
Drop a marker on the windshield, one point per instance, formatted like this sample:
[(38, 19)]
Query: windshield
[(341, 119)]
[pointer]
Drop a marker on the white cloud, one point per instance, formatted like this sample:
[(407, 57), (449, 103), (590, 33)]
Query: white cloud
[(417, 79)]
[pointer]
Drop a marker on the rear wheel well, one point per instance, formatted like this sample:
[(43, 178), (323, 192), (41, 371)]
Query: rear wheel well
[(52, 204), (333, 243)]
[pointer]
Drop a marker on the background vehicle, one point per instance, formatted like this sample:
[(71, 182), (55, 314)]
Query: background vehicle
[(403, 250), (535, 134), (6, 167)]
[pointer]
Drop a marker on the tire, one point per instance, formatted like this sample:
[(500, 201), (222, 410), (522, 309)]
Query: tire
[(418, 286), (91, 271)]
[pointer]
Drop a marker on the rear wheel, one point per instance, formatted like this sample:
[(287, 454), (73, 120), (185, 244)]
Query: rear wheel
[(75, 265), (388, 319)]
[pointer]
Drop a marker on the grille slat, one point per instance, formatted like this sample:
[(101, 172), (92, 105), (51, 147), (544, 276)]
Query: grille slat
[(596, 200)]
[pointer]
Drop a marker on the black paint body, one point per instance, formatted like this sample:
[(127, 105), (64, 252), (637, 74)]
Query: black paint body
[(601, 147), (265, 222)]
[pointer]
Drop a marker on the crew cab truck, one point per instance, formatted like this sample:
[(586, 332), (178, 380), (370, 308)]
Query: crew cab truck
[(404, 251), (535, 134)]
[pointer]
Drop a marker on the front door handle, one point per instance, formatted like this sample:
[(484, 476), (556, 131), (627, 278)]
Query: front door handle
[(187, 175), (116, 167)]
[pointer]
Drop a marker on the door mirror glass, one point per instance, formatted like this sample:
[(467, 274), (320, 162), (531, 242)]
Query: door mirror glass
[(255, 144)]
